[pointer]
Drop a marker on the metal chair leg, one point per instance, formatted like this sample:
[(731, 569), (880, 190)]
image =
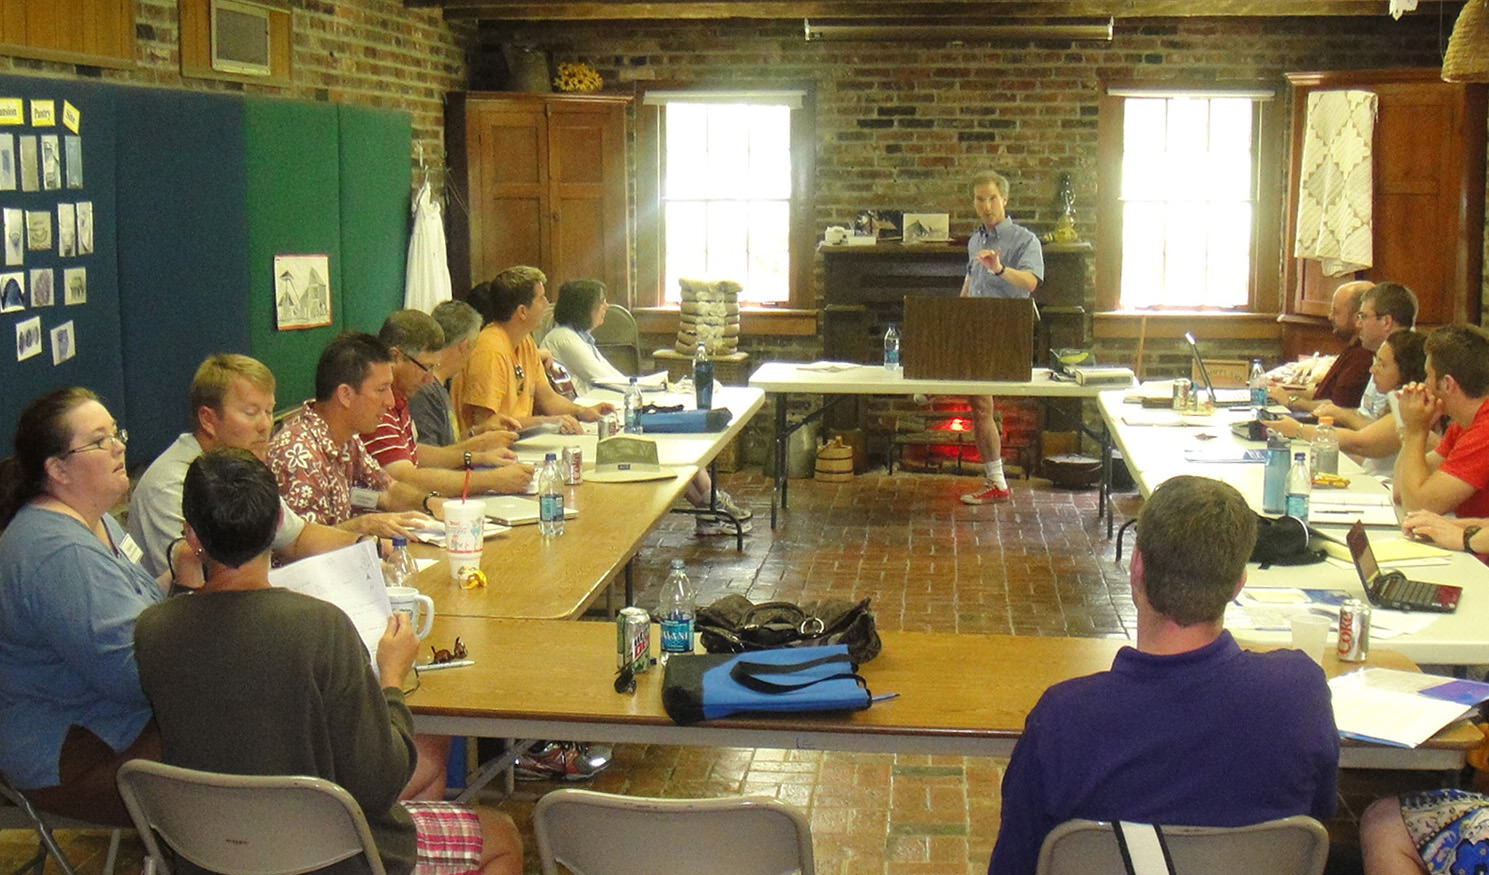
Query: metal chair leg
[(43, 832)]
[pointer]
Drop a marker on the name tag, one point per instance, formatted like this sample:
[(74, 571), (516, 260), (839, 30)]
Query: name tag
[(130, 549), (364, 498)]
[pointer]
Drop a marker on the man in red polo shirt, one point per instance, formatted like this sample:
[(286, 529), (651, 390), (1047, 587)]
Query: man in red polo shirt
[(1454, 476), (416, 340)]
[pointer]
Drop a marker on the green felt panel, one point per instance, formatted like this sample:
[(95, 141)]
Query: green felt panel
[(293, 208), (375, 147)]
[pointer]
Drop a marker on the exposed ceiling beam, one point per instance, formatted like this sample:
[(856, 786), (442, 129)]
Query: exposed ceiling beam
[(980, 10)]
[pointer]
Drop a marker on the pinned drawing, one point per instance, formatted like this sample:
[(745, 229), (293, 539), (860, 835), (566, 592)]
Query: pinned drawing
[(64, 345), (8, 177), (38, 230), (75, 286), (15, 237), (28, 338), (85, 227), (74, 154), (12, 292), (51, 163), (302, 291), (41, 288), (67, 230), (30, 180)]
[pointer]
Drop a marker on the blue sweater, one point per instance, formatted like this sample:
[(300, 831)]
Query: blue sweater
[(1214, 737)]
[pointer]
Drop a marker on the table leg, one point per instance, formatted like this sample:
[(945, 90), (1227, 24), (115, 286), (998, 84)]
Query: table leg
[(1104, 501), (778, 493)]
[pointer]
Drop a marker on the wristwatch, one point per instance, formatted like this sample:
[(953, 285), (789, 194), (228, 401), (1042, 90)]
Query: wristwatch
[(999, 271), (1468, 534), (467, 460), (432, 494)]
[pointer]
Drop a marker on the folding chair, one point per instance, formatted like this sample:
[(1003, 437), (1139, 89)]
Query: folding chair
[(592, 833), (244, 824), (1288, 846), (17, 812)]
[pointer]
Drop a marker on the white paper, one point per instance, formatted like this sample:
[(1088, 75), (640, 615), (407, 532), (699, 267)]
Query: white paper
[(650, 383), (1387, 706), (828, 367), (351, 579)]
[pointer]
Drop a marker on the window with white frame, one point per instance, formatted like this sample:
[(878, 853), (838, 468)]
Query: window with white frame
[(1187, 199), (726, 190)]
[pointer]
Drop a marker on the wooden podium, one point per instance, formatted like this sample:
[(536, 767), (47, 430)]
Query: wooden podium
[(968, 338)]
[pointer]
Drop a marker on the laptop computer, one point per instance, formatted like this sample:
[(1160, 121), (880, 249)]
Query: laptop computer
[(1391, 589), (1220, 397)]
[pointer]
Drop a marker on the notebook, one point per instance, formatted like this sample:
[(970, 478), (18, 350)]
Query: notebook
[(514, 510), (1391, 589)]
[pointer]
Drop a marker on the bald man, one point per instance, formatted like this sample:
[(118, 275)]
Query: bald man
[(1345, 382)]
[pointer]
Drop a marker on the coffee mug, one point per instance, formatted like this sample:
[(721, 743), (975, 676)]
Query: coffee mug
[(419, 607), (836, 235)]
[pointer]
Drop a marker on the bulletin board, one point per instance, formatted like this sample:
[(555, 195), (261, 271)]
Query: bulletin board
[(188, 213), (65, 173)]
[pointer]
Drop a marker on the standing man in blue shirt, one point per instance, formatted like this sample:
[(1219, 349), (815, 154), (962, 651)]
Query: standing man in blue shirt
[(1004, 260)]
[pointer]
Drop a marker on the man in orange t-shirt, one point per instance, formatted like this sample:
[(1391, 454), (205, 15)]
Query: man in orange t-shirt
[(505, 374)]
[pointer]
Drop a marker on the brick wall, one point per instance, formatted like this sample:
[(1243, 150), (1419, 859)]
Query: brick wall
[(904, 125), (365, 52)]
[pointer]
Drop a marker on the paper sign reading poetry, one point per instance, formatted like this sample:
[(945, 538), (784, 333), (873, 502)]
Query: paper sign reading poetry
[(43, 113)]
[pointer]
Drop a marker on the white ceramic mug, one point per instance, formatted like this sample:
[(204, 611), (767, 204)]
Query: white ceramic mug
[(419, 607), (836, 235), (465, 530)]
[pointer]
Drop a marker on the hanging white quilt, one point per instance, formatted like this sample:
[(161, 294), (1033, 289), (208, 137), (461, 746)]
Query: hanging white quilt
[(1336, 188)]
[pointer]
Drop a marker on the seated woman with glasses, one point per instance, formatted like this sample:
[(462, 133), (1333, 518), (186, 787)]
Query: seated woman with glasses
[(580, 309), (71, 709), (249, 679)]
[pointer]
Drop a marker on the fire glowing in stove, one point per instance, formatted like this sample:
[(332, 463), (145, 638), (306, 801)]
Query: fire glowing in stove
[(956, 423)]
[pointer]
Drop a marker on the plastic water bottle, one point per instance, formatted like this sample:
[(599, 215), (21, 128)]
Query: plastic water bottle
[(633, 407), (702, 378), (399, 568), (550, 497), (1274, 478), (675, 610), (1299, 485), (892, 349), (1258, 384), (1325, 447)]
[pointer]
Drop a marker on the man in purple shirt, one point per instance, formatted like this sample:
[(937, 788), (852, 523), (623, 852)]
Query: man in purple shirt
[(1004, 260), (1186, 728)]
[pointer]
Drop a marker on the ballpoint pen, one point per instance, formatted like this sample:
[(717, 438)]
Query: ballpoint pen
[(436, 666)]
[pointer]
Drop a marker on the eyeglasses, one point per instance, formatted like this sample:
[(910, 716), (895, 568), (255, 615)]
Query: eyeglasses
[(521, 376), (442, 656), (118, 434), (431, 370)]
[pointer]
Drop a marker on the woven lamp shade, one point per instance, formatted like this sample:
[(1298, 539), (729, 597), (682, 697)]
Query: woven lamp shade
[(1467, 58)]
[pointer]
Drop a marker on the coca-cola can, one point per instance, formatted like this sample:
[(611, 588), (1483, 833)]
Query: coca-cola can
[(1183, 397), (602, 428), (1354, 630), (573, 465)]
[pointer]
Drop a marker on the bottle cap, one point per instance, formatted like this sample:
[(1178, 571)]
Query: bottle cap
[(399, 541), (1326, 420), (550, 457)]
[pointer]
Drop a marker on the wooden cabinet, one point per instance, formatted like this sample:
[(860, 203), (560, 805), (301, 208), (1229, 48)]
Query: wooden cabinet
[(539, 179), (1428, 209)]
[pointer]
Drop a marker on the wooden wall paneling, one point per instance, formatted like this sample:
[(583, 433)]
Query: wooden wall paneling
[(586, 151), (95, 32)]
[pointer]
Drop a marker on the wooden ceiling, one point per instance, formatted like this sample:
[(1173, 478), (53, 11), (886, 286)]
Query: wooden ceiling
[(963, 10)]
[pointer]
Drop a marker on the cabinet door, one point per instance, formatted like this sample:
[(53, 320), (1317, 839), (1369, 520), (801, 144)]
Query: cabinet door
[(587, 194), (508, 192)]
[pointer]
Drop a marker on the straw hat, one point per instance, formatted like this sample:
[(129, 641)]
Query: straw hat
[(1467, 57)]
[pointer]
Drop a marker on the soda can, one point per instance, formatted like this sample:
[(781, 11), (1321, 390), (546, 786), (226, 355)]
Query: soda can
[(1182, 398), (633, 639), (1354, 630), (573, 465), (602, 428)]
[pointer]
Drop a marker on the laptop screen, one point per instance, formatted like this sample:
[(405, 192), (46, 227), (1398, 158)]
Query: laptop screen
[(1199, 363), (1359, 550)]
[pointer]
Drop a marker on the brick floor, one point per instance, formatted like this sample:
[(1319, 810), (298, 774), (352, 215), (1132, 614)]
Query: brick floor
[(1038, 565)]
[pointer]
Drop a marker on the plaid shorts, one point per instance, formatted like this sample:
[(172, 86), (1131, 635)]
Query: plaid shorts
[(449, 838)]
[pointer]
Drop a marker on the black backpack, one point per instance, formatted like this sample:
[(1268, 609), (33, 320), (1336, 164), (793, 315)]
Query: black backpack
[(1283, 541)]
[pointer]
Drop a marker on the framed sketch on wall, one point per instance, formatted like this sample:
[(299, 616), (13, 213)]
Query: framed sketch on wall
[(302, 291)]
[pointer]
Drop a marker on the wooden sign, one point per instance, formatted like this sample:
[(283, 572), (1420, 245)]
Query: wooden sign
[(968, 338)]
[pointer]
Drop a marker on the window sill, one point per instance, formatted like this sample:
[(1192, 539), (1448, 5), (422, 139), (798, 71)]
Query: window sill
[(758, 320), (1130, 324)]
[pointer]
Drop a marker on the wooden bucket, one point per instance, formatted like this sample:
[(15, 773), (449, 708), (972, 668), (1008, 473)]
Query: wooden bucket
[(835, 462)]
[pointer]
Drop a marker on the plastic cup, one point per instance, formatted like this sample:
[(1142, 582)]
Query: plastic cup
[(419, 607), (465, 525), (1311, 635)]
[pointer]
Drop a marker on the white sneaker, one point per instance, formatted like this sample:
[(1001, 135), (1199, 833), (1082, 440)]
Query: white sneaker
[(728, 505), (710, 524)]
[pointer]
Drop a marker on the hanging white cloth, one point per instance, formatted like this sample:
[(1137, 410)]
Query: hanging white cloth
[(1336, 190), (427, 277), (1400, 6)]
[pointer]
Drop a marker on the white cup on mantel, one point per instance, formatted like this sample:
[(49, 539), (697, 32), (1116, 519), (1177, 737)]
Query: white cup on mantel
[(465, 534)]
